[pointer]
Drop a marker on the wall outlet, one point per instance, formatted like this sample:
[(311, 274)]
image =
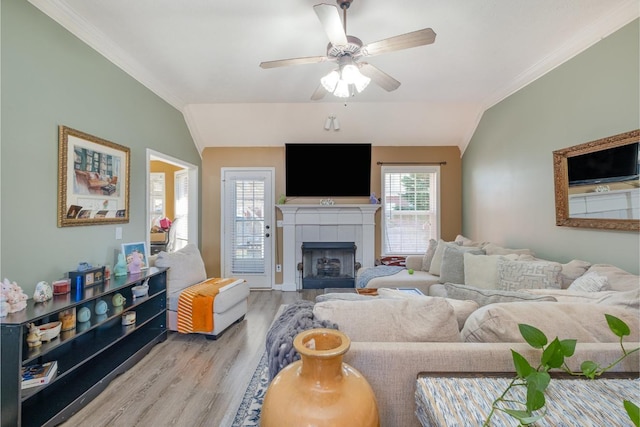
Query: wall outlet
[(118, 233), (278, 268)]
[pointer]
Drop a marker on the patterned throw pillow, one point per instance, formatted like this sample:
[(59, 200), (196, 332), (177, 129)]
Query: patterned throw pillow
[(590, 282), (515, 275)]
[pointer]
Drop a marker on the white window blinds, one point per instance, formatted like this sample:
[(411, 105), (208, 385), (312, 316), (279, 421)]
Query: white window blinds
[(410, 208), (246, 225)]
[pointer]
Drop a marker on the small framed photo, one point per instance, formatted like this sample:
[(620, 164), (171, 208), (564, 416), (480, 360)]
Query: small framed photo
[(133, 250)]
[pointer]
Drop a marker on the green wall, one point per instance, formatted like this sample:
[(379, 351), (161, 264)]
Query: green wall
[(508, 190), (51, 78)]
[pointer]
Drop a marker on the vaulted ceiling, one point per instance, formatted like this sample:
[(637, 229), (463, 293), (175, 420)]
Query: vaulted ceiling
[(202, 55)]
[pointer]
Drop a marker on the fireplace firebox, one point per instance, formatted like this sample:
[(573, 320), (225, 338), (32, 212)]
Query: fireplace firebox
[(328, 265)]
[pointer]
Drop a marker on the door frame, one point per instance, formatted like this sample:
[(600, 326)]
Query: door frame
[(192, 171), (269, 204)]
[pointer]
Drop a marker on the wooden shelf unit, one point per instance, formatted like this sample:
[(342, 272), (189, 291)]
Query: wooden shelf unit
[(88, 357)]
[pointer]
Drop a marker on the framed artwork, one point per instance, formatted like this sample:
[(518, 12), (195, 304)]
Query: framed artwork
[(93, 180), (138, 249)]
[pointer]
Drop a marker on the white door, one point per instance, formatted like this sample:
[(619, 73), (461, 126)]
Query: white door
[(247, 225)]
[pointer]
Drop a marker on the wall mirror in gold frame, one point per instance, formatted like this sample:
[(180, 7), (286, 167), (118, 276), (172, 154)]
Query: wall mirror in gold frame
[(597, 185), (93, 180)]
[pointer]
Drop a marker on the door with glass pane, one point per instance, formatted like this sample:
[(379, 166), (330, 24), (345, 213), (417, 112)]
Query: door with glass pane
[(247, 229)]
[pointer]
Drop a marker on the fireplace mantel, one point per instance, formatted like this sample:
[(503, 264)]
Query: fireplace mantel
[(325, 223)]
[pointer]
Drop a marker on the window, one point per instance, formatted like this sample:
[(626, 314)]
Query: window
[(157, 206), (410, 208), (181, 222)]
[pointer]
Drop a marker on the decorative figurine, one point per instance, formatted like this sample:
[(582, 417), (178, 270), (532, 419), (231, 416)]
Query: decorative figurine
[(135, 266), (373, 199), (14, 297), (43, 292), (84, 266), (120, 269), (33, 339), (118, 300), (84, 314), (101, 307)]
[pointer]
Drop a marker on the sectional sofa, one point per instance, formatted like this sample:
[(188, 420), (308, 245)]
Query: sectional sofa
[(459, 327)]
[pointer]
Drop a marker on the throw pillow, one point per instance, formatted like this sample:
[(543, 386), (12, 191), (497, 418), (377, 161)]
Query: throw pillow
[(428, 255), (572, 270), (186, 267), (590, 282), (514, 275), (465, 241), (619, 280), (392, 320), (490, 296), (461, 308), (493, 249), (584, 322), (436, 262), (481, 271), (452, 266)]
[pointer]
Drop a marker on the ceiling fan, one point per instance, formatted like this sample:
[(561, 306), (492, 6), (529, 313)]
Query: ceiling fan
[(351, 75)]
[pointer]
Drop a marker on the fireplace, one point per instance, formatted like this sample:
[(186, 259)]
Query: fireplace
[(328, 265)]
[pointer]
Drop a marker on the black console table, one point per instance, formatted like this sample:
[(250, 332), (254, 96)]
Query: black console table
[(88, 357)]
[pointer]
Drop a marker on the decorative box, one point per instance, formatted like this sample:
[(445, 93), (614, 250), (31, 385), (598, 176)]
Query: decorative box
[(61, 287), (93, 276)]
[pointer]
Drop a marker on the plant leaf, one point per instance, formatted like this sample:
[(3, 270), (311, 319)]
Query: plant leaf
[(568, 347), (617, 326), (589, 369), (553, 355), (539, 380), (535, 397), (524, 417), (633, 411), (533, 336), (523, 368)]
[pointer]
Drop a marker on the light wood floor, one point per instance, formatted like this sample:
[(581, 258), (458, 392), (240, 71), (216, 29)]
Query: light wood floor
[(189, 380)]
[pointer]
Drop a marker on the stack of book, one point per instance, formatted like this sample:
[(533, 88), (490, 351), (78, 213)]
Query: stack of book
[(39, 374)]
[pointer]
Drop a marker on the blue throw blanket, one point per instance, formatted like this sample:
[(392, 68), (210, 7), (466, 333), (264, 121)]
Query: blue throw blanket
[(379, 271)]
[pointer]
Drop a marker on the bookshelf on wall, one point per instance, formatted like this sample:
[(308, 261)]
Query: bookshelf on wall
[(87, 357)]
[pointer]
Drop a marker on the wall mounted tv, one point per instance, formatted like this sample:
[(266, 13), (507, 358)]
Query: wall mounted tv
[(327, 170), (610, 165)]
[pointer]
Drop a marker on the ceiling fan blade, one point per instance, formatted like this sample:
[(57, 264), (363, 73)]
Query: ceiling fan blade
[(379, 77), (293, 61), (319, 93), (330, 20), (403, 41)]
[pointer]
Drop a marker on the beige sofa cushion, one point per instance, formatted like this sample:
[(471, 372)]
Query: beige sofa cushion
[(490, 296), (619, 280), (481, 271), (515, 275), (389, 319), (462, 308), (572, 270), (584, 322), (186, 267), (493, 249), (629, 299)]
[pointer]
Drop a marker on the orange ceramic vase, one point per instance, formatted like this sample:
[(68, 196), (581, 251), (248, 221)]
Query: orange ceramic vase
[(319, 390)]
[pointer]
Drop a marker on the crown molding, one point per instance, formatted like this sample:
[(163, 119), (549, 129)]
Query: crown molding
[(89, 34), (581, 41)]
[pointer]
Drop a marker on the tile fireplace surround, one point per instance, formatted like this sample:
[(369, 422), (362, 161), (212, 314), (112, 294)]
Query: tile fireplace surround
[(321, 223)]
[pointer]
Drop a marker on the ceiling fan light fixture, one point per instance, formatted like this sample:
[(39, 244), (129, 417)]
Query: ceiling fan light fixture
[(342, 89), (330, 81)]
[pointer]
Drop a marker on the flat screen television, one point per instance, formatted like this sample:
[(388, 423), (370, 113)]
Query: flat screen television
[(610, 165), (327, 170)]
